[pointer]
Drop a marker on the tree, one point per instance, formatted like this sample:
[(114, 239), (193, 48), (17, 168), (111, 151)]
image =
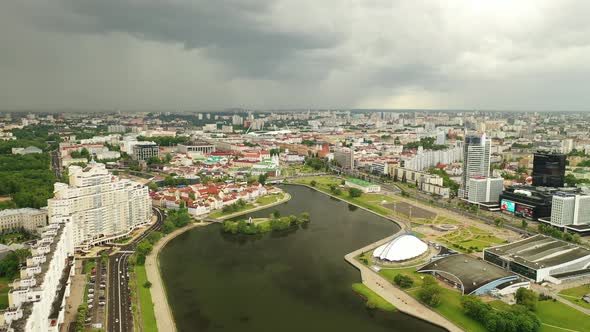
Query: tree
[(154, 237), (262, 179), (143, 249), (403, 280), (430, 295), (313, 183), (147, 284), (275, 214), (355, 192), (499, 222), (168, 227), (305, 218), (153, 186), (429, 292), (527, 298)]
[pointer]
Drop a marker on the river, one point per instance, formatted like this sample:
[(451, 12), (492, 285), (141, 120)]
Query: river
[(297, 281)]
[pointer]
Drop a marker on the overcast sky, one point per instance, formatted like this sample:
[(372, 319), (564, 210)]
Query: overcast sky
[(214, 54)]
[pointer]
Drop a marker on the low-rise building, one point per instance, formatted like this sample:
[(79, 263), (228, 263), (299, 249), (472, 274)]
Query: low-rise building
[(28, 150), (145, 151), (541, 258), (366, 187), (27, 218)]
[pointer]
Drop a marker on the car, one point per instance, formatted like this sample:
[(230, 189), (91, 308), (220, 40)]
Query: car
[(116, 320), (101, 303), (90, 306)]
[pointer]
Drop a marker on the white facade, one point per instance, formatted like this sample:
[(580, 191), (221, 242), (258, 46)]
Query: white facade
[(401, 248), (37, 300), (425, 159), (484, 189), (570, 209), (27, 218), (476, 161), (100, 206)]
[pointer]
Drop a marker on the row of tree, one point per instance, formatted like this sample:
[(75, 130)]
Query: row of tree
[(277, 224), (556, 233), (519, 318)]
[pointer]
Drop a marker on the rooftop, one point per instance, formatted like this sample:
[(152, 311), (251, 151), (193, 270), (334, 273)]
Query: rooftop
[(471, 272), (540, 251), (360, 182)]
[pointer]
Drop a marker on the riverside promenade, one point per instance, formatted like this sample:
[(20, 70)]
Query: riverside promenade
[(165, 320), (400, 299)]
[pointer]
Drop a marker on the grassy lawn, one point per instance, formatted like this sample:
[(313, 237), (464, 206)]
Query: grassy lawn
[(269, 199), (450, 300), (575, 295), (369, 201), (555, 314), (452, 309), (148, 317), (561, 315), (373, 299), (4, 292), (389, 274), (220, 213)]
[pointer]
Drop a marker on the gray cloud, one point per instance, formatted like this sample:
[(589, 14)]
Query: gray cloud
[(181, 54)]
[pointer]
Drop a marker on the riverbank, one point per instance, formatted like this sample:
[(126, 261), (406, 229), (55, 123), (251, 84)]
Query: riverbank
[(165, 319), (402, 224), (286, 197), (382, 287), (163, 312)]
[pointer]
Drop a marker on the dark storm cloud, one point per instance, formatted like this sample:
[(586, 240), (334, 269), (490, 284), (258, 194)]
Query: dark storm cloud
[(235, 32), (182, 54)]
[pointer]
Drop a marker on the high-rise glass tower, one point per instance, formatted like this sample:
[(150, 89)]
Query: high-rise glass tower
[(549, 169), (476, 160)]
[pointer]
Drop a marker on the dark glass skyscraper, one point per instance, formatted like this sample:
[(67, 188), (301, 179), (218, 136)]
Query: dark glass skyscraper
[(549, 169)]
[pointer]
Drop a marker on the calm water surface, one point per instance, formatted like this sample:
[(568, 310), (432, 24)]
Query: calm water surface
[(296, 281)]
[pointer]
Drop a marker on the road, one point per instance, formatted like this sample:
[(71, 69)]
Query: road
[(56, 163), (120, 316)]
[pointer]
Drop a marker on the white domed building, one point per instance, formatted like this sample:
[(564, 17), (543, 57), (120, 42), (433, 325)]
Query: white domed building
[(401, 248)]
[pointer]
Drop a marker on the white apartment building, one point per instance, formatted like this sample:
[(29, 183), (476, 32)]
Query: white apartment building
[(100, 206), (570, 209), (425, 159), (485, 189), (476, 161), (37, 300), (27, 218)]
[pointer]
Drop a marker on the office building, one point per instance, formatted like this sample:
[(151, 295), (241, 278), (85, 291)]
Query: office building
[(570, 212), (37, 300), (345, 158), (476, 161), (27, 218), (145, 151), (101, 206), (485, 190), (549, 169)]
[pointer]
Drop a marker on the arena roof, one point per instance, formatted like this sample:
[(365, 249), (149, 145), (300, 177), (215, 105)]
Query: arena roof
[(471, 273), (540, 251), (401, 248)]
